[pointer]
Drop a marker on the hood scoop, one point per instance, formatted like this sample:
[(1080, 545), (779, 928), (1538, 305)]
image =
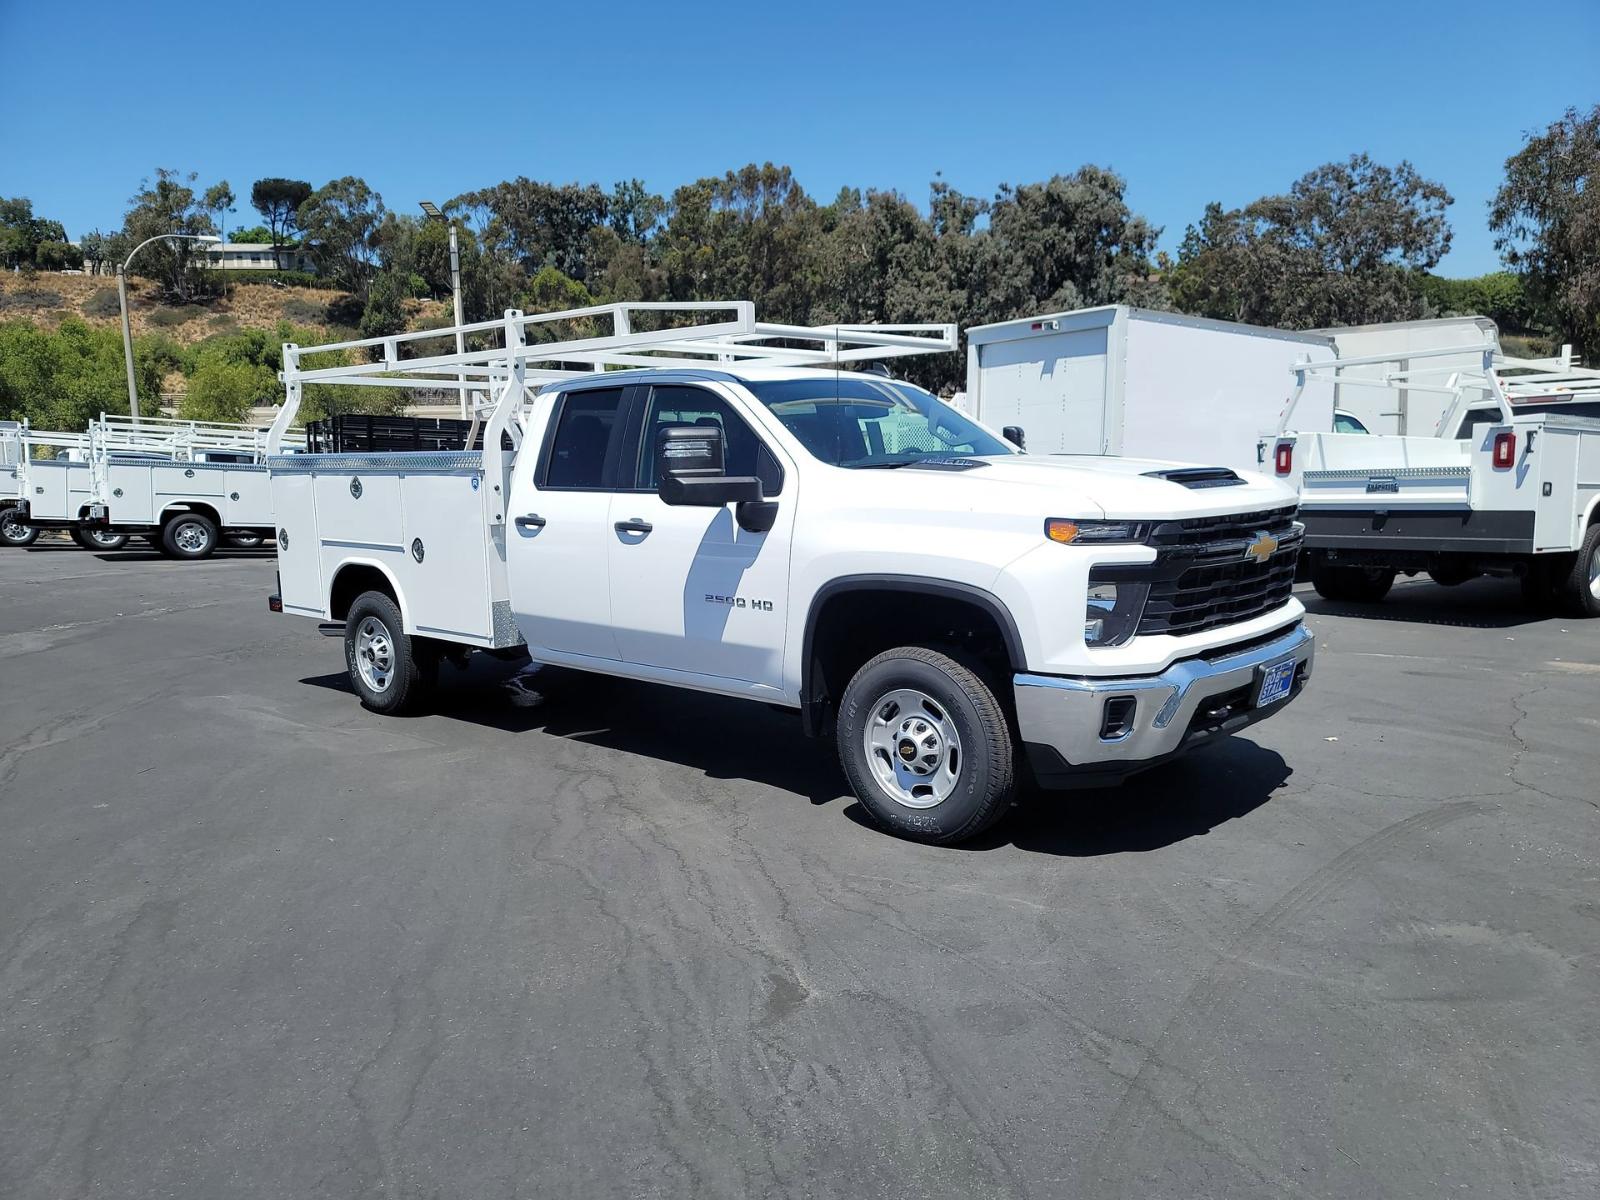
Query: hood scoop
[(1198, 477)]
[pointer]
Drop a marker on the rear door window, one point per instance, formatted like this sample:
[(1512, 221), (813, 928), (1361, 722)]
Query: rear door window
[(578, 455)]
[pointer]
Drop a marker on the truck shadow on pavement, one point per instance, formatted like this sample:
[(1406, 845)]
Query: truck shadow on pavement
[(1478, 604), (735, 740)]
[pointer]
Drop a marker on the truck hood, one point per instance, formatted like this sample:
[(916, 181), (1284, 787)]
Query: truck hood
[(1087, 486)]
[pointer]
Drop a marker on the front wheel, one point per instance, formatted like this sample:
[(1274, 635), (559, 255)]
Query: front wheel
[(926, 746), (98, 539), (386, 668), (13, 532), (189, 535)]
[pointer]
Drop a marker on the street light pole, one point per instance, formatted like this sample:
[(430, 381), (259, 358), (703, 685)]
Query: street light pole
[(432, 212), (122, 303)]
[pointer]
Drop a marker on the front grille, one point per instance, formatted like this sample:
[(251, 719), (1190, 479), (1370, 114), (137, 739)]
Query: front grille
[(1203, 579)]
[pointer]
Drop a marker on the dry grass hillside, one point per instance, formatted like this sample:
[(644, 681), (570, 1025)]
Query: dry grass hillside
[(47, 300)]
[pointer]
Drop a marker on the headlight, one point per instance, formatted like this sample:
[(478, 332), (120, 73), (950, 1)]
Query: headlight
[(1112, 613), (1098, 533)]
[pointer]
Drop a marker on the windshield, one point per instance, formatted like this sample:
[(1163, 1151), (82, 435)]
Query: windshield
[(870, 422)]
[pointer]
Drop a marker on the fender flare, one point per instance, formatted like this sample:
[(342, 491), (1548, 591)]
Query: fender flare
[(813, 702), (382, 569)]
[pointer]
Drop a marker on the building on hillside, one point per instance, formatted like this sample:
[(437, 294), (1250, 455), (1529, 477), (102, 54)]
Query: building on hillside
[(258, 256)]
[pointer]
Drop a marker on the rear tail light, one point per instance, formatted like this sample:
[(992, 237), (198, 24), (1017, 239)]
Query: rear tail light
[(1505, 450), (1283, 458)]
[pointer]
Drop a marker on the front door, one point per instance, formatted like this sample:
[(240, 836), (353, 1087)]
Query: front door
[(690, 590), (559, 526)]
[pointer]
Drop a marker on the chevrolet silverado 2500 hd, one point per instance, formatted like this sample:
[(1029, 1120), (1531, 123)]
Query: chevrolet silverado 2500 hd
[(834, 542)]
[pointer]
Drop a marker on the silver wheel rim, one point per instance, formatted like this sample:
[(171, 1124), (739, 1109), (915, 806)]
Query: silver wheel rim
[(374, 654), (913, 748), (190, 538), (13, 529), (101, 538), (1594, 573)]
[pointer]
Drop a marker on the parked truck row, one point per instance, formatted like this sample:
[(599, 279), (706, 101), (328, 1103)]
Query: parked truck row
[(1081, 568), (186, 486)]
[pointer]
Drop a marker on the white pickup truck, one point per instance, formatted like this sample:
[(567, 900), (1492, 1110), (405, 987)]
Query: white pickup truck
[(837, 543), (1507, 484)]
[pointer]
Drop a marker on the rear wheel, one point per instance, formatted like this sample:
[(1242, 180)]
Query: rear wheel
[(1449, 574), (926, 746), (189, 535), (13, 532), (245, 541), (388, 670), (98, 539), (1359, 585), (1579, 588)]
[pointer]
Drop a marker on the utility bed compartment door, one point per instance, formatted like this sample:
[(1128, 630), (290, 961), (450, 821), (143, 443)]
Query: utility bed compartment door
[(299, 549), (448, 586), (248, 499), (51, 487), (129, 494)]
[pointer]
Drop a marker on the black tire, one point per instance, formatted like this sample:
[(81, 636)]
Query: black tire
[(245, 541), (13, 532), (1357, 585), (96, 540), (1579, 586), (190, 536), (1451, 574), (411, 670), (981, 776)]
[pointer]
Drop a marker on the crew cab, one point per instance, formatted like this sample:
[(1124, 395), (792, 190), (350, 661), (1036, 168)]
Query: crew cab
[(950, 611)]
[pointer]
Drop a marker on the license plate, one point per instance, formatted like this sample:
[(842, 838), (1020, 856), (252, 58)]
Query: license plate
[(1276, 683), (97, 512)]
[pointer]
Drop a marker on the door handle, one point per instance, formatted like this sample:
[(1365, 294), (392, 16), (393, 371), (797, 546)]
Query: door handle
[(633, 526), (531, 521)]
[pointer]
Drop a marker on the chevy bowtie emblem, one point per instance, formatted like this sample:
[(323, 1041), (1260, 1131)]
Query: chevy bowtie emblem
[(1263, 548)]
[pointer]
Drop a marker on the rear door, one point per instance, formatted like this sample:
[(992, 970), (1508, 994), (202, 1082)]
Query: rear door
[(559, 528), (690, 590)]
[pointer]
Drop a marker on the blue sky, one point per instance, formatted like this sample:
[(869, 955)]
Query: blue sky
[(1191, 102)]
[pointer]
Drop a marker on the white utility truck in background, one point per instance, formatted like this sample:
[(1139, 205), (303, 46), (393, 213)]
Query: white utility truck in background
[(49, 485), (693, 498), (1130, 381), (1507, 481), (184, 485)]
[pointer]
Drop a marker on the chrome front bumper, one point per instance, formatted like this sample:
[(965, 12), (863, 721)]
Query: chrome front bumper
[(1061, 719)]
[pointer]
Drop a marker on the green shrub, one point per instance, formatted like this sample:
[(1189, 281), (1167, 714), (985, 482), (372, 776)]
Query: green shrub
[(103, 303), (289, 278), (226, 391)]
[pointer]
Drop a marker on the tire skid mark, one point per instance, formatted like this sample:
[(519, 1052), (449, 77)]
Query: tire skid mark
[(1152, 1089)]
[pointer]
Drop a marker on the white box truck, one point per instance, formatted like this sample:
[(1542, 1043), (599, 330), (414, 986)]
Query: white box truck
[(1133, 382)]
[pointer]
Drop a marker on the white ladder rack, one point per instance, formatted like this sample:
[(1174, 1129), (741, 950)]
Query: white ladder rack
[(703, 333)]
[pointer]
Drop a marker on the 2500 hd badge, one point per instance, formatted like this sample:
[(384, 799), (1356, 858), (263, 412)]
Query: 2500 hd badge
[(740, 602)]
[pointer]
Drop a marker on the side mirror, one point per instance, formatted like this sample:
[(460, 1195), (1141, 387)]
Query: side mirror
[(691, 471), (1014, 435)]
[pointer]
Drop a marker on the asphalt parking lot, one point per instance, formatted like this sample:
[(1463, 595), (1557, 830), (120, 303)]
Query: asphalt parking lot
[(255, 941)]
